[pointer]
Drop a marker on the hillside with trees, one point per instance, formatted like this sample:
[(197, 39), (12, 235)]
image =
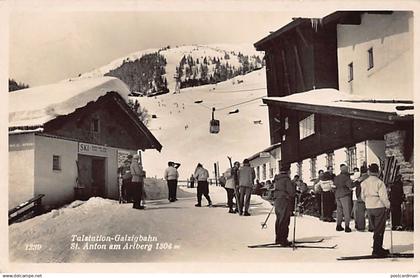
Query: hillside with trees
[(15, 86), (144, 75)]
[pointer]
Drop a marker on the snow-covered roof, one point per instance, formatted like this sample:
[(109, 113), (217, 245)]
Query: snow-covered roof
[(319, 100), (268, 149), (31, 108)]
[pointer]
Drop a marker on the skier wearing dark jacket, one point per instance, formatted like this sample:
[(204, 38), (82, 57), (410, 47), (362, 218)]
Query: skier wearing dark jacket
[(343, 192), (284, 195)]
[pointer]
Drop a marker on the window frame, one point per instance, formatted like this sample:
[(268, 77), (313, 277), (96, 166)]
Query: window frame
[(56, 159), (307, 127), (350, 72), (371, 63), (93, 125)]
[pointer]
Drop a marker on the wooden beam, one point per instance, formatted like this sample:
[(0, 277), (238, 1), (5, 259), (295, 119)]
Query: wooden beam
[(286, 75), (301, 79), (302, 37)]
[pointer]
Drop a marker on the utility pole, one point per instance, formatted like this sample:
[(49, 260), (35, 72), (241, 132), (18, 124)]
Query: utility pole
[(215, 174)]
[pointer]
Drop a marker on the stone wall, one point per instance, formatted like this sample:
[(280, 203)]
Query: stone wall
[(394, 146)]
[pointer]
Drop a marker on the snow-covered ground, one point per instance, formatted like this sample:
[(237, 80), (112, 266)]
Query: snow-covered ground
[(180, 232), (182, 126)]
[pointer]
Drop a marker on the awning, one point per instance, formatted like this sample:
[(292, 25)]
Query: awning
[(334, 102)]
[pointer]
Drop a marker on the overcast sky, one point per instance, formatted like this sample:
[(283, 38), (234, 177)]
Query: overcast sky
[(46, 47)]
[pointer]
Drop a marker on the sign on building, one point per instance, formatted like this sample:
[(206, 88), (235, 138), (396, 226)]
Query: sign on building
[(265, 154), (91, 149)]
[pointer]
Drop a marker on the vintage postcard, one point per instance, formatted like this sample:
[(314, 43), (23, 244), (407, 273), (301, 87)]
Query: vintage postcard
[(197, 136)]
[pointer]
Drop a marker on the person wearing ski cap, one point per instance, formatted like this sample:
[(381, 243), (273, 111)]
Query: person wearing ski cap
[(126, 180), (375, 196), (360, 207), (171, 176), (230, 188), (284, 195), (246, 176), (343, 190), (137, 181), (201, 175)]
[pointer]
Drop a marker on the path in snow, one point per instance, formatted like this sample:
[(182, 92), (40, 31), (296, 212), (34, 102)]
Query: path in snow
[(202, 234)]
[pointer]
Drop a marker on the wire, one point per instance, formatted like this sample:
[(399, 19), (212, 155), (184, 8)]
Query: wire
[(237, 104), (243, 90)]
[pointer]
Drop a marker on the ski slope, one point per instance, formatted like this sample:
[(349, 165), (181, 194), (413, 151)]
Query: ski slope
[(174, 55), (182, 126)]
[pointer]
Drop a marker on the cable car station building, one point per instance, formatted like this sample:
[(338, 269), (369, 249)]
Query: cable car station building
[(340, 90), (71, 136)]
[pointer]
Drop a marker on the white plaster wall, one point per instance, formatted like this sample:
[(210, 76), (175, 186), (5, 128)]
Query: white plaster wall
[(271, 162), (21, 168), (58, 186), (391, 37), (340, 157), (111, 167)]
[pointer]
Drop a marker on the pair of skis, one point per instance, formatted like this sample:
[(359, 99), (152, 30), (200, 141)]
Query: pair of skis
[(296, 244), (367, 257)]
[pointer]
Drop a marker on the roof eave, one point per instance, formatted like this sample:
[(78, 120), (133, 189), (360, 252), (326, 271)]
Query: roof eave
[(376, 116), (261, 44)]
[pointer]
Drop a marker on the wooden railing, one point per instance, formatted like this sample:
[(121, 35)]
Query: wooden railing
[(32, 205)]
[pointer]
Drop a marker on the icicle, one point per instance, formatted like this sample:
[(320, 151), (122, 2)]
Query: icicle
[(315, 22)]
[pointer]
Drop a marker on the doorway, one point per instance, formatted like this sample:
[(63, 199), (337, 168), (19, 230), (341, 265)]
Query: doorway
[(98, 177), (92, 175)]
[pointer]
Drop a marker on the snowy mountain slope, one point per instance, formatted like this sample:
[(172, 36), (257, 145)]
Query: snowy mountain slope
[(225, 53), (182, 126)]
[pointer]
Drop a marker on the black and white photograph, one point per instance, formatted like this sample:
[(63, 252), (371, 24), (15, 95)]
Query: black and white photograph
[(199, 136)]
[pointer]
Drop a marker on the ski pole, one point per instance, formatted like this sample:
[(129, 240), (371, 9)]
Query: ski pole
[(264, 225), (294, 225), (390, 230)]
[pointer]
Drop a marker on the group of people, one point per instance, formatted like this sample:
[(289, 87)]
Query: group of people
[(201, 175), (132, 181), (371, 197), (239, 182)]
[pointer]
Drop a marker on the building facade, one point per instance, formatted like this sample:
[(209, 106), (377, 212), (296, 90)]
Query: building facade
[(74, 152), (340, 91), (266, 163)]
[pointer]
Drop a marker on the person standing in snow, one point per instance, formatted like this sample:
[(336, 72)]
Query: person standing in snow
[(201, 175), (235, 172), (284, 195), (126, 179), (171, 176), (192, 181), (137, 181), (375, 196), (230, 188), (325, 186), (397, 198), (359, 206), (343, 191), (246, 177)]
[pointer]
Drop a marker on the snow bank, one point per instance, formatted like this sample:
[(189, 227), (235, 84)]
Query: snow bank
[(48, 102), (201, 234)]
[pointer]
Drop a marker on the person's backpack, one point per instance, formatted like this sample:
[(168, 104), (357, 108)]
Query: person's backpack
[(222, 181)]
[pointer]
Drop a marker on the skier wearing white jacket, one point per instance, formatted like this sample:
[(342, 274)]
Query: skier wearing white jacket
[(171, 176), (201, 175), (374, 194)]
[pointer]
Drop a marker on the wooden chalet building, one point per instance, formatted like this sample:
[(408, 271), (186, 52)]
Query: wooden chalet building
[(70, 137), (340, 90)]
